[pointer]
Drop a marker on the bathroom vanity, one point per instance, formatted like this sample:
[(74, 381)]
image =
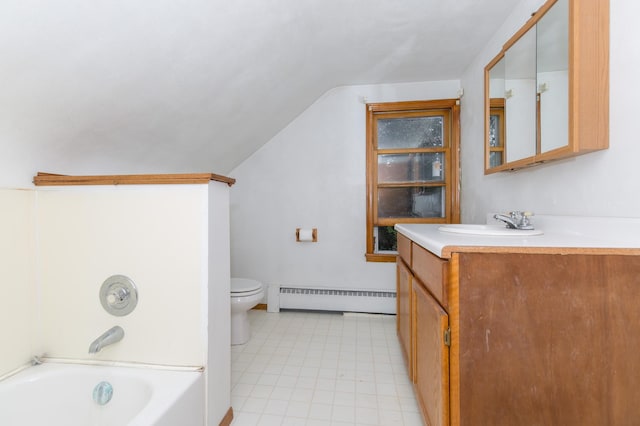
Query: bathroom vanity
[(536, 330)]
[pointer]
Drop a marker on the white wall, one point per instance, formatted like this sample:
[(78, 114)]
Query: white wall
[(18, 313), (312, 175), (604, 183)]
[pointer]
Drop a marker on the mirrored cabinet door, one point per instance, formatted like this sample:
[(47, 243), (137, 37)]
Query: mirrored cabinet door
[(552, 66), (520, 97)]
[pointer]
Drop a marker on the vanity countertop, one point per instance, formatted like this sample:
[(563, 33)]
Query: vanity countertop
[(562, 235)]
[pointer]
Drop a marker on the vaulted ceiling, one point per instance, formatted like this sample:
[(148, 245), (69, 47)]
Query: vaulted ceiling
[(115, 86)]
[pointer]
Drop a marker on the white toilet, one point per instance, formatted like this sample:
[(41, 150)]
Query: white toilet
[(245, 294)]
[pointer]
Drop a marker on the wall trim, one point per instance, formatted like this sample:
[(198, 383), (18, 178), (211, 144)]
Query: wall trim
[(228, 418)]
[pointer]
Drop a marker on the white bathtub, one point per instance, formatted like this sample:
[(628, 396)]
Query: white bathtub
[(62, 395)]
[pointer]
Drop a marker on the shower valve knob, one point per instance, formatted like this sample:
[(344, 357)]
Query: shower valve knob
[(118, 295)]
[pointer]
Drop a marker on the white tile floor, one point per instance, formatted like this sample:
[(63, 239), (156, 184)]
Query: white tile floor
[(303, 368)]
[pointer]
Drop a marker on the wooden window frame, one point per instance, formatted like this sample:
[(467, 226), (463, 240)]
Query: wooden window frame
[(496, 107), (451, 182)]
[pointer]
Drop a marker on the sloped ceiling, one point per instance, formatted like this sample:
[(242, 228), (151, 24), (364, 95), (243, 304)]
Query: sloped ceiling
[(136, 86)]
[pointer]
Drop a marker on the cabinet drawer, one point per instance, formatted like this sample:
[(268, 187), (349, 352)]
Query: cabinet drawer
[(404, 248), (432, 272)]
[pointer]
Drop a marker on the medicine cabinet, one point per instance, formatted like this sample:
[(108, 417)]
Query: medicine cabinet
[(547, 91)]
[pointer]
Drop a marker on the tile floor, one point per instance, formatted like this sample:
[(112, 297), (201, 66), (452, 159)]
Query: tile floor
[(304, 368)]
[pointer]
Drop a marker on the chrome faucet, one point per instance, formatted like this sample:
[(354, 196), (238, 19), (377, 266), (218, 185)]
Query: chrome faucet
[(109, 337), (516, 220)]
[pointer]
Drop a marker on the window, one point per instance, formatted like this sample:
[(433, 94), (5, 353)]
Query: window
[(412, 169)]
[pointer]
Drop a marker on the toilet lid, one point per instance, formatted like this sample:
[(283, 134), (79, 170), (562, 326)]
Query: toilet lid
[(244, 285)]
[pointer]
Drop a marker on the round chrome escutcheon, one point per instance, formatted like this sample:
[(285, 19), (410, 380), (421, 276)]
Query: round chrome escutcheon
[(118, 295)]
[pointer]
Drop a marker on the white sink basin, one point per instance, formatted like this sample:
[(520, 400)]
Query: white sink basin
[(495, 230)]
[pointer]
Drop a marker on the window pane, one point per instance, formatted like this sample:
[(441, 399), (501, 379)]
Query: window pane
[(415, 132), (495, 158), (420, 202), (422, 167), (494, 130), (386, 239)]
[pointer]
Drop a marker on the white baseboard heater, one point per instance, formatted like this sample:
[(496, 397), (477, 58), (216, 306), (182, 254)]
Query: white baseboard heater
[(322, 299)]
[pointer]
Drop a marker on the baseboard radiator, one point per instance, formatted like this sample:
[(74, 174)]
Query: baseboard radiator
[(321, 299)]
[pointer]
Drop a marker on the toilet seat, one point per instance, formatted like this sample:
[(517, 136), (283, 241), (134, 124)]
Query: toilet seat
[(245, 293), (241, 287)]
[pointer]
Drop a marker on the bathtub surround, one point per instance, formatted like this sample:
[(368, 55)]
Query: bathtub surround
[(87, 234), (171, 240), (18, 314)]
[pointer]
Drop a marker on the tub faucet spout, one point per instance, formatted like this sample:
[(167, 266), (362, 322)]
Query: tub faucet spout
[(109, 337)]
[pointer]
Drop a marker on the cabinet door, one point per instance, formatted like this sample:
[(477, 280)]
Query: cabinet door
[(559, 61), (430, 356), (403, 311)]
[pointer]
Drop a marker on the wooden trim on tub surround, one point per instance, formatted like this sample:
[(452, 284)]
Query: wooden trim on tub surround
[(228, 418), (50, 179)]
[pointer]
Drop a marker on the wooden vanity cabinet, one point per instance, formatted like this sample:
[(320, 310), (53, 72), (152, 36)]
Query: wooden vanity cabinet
[(423, 328), (536, 338), (430, 356), (403, 311), (548, 339), (403, 298)]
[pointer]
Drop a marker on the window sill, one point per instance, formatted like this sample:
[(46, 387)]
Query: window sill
[(377, 257)]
